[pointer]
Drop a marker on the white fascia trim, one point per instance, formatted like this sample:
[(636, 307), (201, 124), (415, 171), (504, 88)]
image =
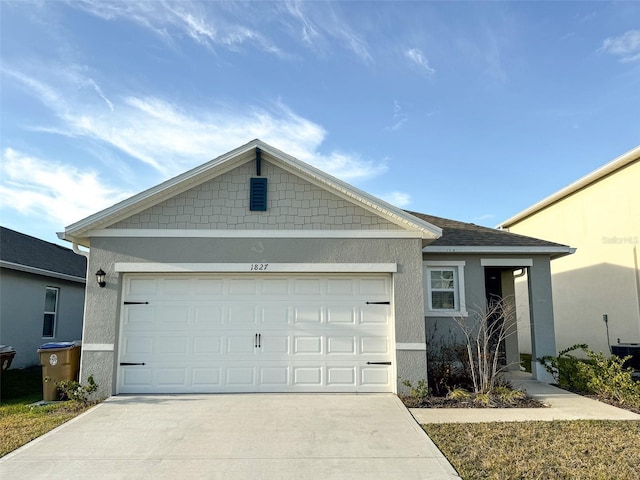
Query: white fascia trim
[(623, 160), (351, 193), (470, 249), (256, 268), (229, 161), (41, 271), (194, 233), (153, 195), (506, 262), (97, 347), (411, 346)]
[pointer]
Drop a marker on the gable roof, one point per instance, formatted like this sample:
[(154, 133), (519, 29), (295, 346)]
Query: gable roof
[(458, 237), (613, 166), (80, 232), (29, 254)]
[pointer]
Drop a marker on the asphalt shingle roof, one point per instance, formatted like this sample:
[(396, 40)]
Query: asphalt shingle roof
[(16, 247), (457, 234)]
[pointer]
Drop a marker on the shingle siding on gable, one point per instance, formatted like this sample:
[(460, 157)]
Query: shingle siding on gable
[(223, 203)]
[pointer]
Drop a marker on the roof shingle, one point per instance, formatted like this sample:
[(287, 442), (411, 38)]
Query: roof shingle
[(21, 249)]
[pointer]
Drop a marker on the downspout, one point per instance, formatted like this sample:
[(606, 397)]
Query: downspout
[(77, 251), (635, 263)]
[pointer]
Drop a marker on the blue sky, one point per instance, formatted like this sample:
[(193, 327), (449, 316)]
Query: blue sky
[(466, 110)]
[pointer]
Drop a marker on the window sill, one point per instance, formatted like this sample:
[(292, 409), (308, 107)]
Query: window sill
[(446, 313)]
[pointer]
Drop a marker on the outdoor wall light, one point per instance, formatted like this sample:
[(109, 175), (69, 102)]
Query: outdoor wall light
[(100, 278)]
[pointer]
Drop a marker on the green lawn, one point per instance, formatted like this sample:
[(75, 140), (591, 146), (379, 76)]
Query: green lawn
[(585, 450), (20, 423)]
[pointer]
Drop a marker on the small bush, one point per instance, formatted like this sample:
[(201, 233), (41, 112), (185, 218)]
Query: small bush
[(72, 390), (564, 368), (420, 391), (609, 379)]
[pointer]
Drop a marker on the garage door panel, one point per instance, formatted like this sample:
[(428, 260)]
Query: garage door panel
[(207, 345), (274, 315), (170, 377), (174, 345), (341, 376), (274, 345), (341, 314), (241, 376), (374, 286), (307, 314), (271, 333), (240, 345), (374, 345), (205, 377), (307, 345), (207, 317), (341, 345)]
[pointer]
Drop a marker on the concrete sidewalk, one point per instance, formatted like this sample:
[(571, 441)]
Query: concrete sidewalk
[(228, 437), (562, 405)]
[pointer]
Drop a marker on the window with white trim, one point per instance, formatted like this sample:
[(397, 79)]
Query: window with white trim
[(50, 312), (444, 288)]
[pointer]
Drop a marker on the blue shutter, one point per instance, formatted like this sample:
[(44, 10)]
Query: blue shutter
[(258, 194)]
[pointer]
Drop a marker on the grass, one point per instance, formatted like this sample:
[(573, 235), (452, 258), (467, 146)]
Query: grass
[(20, 423), (580, 450)]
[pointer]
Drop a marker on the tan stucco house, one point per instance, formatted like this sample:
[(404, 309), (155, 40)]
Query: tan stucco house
[(256, 272), (598, 214)]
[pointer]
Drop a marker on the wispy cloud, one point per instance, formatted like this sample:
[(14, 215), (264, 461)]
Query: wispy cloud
[(172, 138), (399, 117), (54, 192), (626, 46), (171, 19), (399, 199), (417, 57)]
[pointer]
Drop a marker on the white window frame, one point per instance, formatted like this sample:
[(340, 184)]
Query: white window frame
[(458, 285), (54, 313)]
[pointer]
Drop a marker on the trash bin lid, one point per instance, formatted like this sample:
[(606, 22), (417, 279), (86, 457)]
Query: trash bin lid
[(6, 349), (46, 346)]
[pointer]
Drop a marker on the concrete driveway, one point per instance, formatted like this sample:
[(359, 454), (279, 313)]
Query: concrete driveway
[(253, 436)]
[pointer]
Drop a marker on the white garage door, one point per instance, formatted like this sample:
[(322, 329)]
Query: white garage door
[(246, 333)]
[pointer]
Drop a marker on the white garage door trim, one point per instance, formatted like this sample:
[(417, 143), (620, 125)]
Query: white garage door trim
[(141, 267), (256, 333)]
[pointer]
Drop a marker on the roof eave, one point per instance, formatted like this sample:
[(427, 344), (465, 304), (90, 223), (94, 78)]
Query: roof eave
[(616, 164), (553, 251)]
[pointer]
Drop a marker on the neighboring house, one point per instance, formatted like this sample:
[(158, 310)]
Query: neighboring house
[(599, 215), (258, 272), (42, 289)]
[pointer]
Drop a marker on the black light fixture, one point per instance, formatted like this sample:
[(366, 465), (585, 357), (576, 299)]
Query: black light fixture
[(100, 278)]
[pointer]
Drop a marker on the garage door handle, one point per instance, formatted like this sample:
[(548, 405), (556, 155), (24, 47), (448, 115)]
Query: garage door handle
[(378, 303), (378, 363), (255, 341), (127, 364), (136, 303), (259, 340)]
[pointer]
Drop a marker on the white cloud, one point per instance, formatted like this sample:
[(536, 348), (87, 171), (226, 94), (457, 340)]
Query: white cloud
[(170, 19), (626, 46), (418, 58), (53, 192), (399, 199), (399, 117), (171, 138)]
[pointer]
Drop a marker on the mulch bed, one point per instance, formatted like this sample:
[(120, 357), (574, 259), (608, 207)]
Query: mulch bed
[(443, 402)]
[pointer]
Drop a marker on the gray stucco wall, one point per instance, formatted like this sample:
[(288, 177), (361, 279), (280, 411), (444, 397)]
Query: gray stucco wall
[(103, 313), (222, 203), (22, 298), (541, 303)]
